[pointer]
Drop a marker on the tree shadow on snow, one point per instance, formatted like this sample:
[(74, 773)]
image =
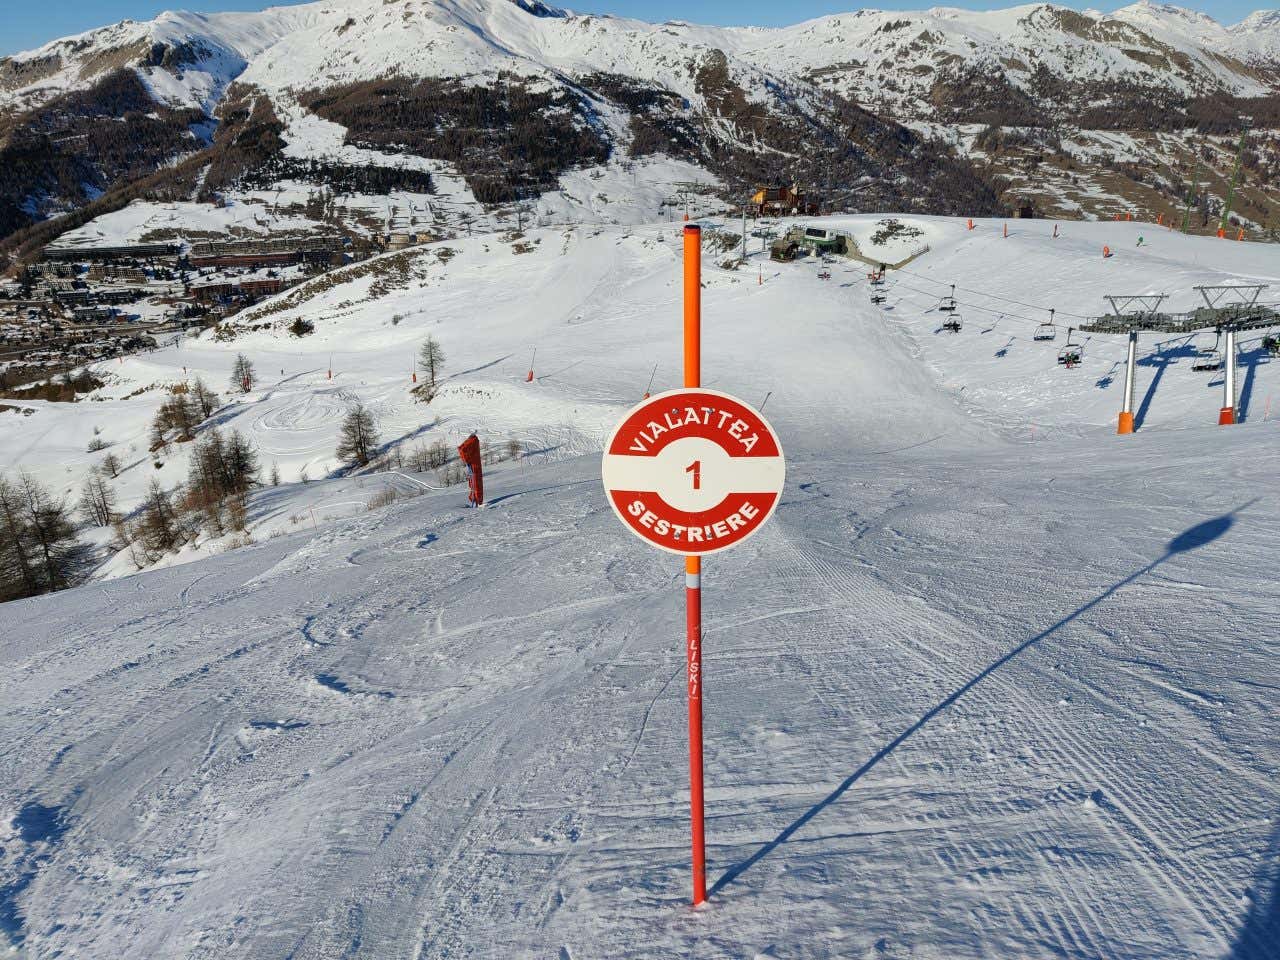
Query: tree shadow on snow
[(1190, 539)]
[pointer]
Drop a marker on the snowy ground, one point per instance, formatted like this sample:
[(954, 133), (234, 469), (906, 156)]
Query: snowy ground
[(146, 222), (994, 682)]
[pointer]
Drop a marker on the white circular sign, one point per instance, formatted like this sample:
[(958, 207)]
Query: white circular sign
[(693, 471)]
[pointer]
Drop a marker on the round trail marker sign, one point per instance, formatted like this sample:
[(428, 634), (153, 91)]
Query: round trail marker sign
[(693, 471)]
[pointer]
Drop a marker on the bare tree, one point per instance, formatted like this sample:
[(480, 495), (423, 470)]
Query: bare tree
[(358, 439), (160, 527), (220, 467), (17, 568), (97, 500), (179, 413), (38, 546), (111, 465), (242, 374), (205, 400)]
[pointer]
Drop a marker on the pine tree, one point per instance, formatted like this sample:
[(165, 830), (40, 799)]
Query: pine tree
[(242, 375), (111, 465), (275, 474), (358, 439), (431, 360)]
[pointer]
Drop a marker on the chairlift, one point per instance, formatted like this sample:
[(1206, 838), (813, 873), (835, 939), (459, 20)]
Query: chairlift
[(1207, 360), (824, 275), (878, 298), (1046, 331), (948, 304), (1071, 354), (953, 323), (1271, 344)]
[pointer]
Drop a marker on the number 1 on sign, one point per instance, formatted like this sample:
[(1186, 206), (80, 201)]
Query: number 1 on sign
[(696, 469)]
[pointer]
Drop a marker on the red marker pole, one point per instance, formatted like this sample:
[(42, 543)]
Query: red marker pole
[(693, 567)]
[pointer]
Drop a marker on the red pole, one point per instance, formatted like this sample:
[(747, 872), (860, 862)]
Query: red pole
[(693, 568)]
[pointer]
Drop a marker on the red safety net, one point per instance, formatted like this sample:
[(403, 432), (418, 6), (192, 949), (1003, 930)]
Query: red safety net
[(469, 452)]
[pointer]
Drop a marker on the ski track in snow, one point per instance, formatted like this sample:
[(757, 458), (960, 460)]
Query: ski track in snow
[(967, 696)]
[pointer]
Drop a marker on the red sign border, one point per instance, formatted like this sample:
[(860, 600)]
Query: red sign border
[(679, 392)]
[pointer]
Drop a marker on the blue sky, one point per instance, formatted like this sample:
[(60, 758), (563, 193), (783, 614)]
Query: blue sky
[(26, 24)]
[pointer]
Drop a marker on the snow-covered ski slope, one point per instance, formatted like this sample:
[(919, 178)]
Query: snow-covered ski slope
[(994, 683)]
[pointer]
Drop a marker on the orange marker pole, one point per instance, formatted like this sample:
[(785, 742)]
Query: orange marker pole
[(693, 568)]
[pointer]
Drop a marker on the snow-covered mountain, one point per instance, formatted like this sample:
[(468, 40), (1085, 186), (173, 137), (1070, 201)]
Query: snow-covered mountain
[(191, 57), (876, 103)]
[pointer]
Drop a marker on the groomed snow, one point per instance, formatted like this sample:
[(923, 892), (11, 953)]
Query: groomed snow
[(994, 682)]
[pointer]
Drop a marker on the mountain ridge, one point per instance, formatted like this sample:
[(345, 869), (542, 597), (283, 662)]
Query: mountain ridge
[(736, 100)]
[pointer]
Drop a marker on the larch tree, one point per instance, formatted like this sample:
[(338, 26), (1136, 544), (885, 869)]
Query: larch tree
[(358, 437), (431, 360), (97, 500), (205, 400), (242, 374), (38, 545)]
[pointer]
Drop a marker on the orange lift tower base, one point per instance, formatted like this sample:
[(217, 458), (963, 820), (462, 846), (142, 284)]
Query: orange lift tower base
[(1130, 372), (1227, 415)]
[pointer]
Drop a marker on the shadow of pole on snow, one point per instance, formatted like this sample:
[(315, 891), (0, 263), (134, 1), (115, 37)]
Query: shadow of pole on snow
[(1161, 360), (1250, 362), (1197, 536), (1259, 938)]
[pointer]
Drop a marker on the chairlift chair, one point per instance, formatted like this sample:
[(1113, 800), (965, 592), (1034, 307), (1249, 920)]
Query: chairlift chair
[(953, 323), (824, 274), (948, 304), (1207, 361), (1046, 331), (1271, 344), (1071, 354), (878, 298)]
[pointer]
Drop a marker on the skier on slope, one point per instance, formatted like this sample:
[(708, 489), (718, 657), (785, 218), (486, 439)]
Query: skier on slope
[(1141, 241), (469, 453)]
